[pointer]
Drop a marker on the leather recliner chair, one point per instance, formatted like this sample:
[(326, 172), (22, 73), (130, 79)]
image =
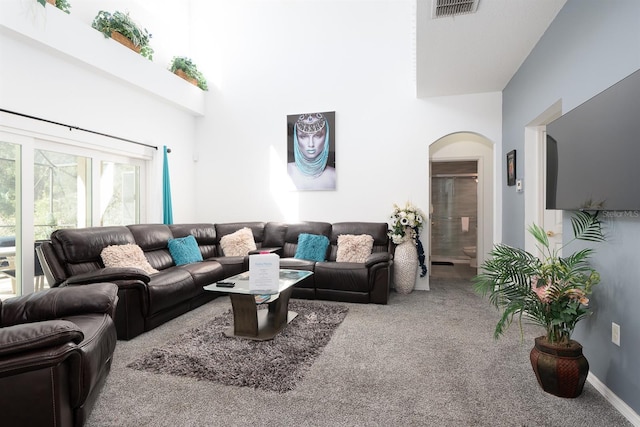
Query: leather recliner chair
[(56, 348)]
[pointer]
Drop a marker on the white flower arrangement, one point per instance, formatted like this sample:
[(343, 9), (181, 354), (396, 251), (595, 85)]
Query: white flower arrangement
[(405, 223)]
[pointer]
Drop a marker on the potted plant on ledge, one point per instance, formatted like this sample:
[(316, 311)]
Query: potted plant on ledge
[(120, 27), (550, 291), (185, 68), (63, 5)]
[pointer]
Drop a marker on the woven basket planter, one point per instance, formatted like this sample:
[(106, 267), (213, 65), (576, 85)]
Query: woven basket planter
[(561, 370), (124, 41)]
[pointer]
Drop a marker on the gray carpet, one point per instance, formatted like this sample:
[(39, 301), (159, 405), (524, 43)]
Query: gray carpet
[(426, 359), (206, 353)]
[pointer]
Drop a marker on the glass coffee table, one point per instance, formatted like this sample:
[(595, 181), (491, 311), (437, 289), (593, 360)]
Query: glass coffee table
[(248, 321)]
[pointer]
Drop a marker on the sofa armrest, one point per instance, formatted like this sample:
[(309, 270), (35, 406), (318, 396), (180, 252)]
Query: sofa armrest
[(51, 304), (377, 257), (28, 337), (109, 274)]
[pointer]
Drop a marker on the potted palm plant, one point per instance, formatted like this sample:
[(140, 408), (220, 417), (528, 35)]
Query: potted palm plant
[(550, 291), (185, 68), (125, 30)]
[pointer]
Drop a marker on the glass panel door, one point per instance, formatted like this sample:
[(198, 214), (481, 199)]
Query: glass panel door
[(61, 189), (9, 202), (119, 194), (61, 192)]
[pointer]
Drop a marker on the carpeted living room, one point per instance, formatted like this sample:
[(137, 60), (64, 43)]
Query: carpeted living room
[(428, 358), (309, 121)]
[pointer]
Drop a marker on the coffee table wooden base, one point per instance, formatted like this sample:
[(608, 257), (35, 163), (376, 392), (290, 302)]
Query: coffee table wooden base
[(261, 325)]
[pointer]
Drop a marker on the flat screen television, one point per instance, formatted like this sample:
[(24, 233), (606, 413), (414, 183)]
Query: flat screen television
[(593, 152)]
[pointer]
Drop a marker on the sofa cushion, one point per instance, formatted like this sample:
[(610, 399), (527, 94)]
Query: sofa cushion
[(204, 233), (352, 248), (184, 250), (239, 243), (170, 287), (342, 276), (128, 255), (312, 247), (205, 272)]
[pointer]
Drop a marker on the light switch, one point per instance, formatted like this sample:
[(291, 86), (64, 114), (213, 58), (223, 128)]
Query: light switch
[(519, 186)]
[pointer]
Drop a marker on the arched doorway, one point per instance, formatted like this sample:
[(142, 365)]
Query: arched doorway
[(462, 204)]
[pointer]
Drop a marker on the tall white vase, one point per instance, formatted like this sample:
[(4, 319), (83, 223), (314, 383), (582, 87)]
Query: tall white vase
[(405, 267)]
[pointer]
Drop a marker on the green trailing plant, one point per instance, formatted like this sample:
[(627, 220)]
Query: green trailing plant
[(190, 69), (63, 5), (550, 291), (106, 22)]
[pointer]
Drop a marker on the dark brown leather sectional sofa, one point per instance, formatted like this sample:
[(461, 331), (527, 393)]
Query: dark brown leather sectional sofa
[(56, 348), (72, 257)]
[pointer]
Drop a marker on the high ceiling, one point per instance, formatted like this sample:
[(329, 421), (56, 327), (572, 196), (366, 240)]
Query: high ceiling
[(477, 52)]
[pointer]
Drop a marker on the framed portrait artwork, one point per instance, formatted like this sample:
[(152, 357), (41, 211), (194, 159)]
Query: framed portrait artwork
[(511, 167), (311, 148)]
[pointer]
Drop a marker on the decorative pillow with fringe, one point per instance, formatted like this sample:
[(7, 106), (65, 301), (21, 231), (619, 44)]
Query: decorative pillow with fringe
[(128, 255), (352, 248), (239, 243)]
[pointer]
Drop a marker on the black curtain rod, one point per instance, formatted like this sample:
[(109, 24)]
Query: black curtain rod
[(77, 128)]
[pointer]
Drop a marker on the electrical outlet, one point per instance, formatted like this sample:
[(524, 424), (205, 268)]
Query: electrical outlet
[(615, 333)]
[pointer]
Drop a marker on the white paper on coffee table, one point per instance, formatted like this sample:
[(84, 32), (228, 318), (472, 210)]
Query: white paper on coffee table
[(264, 273)]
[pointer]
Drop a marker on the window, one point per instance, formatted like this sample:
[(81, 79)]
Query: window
[(119, 189), (67, 185), (61, 187)]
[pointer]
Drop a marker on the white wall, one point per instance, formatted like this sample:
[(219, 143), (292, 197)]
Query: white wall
[(272, 58), (264, 60), (590, 46), (42, 75)]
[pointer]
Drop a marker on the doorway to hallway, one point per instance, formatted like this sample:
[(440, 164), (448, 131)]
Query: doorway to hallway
[(461, 213)]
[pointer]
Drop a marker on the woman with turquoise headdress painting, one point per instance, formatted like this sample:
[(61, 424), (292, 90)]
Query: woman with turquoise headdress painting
[(311, 146)]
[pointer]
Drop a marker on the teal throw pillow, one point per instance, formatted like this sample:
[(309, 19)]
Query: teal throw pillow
[(184, 250), (312, 247)]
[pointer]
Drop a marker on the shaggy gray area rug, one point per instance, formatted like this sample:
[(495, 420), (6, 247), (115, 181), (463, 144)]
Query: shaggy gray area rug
[(205, 353)]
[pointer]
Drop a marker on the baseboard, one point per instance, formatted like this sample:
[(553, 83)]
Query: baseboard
[(422, 287), (617, 403)]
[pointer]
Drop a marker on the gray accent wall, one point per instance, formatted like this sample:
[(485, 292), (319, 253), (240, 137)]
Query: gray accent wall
[(591, 45)]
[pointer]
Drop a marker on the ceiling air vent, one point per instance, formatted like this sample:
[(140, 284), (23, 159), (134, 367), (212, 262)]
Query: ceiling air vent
[(444, 8)]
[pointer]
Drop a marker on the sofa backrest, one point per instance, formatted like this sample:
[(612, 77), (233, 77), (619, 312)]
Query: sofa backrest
[(153, 239), (75, 251), (78, 249), (294, 230), (204, 233), (274, 234), (377, 230), (257, 228)]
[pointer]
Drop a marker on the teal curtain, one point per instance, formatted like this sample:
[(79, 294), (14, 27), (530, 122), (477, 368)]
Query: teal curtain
[(167, 209)]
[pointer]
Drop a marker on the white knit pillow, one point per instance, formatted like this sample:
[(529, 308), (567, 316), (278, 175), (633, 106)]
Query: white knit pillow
[(352, 248), (128, 255), (238, 243)]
